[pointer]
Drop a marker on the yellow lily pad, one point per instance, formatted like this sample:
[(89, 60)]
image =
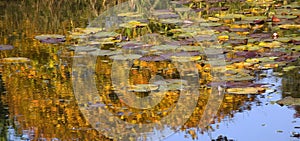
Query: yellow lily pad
[(247, 90), (15, 60), (289, 68), (274, 44)]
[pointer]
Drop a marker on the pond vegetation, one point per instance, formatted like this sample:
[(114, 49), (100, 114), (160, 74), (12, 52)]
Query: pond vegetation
[(227, 55)]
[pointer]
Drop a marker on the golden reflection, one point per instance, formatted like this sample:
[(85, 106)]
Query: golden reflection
[(40, 94)]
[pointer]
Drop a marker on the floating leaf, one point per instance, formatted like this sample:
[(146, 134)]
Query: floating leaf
[(133, 24), (253, 18), (274, 44), (290, 101), (99, 35), (164, 47), (232, 16), (6, 47), (171, 21), (130, 14), (125, 57), (15, 60), (239, 77), (51, 38), (296, 48), (106, 52), (289, 68), (190, 48), (212, 24), (286, 16), (182, 9), (143, 88), (153, 58), (246, 90), (289, 26)]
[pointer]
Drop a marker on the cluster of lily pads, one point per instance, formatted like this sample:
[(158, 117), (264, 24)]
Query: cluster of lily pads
[(264, 36), (251, 39)]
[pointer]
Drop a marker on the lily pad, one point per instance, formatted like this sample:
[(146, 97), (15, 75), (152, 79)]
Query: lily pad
[(211, 24), (190, 48), (246, 90), (290, 101), (130, 14), (284, 39), (253, 18), (153, 58), (171, 21), (6, 47), (88, 30), (106, 52), (143, 88), (296, 48), (133, 24), (239, 77), (125, 57), (289, 68), (289, 26), (164, 47), (274, 44), (232, 16), (183, 9), (15, 60), (99, 35), (286, 16), (51, 38)]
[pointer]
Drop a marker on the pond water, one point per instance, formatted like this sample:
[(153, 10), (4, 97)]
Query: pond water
[(150, 70)]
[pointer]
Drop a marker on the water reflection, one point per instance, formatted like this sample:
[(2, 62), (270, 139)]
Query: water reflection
[(40, 97)]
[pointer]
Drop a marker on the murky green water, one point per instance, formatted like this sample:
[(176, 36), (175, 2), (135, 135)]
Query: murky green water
[(52, 96)]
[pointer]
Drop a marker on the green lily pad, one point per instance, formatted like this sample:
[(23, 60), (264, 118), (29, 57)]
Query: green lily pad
[(133, 24), (262, 59), (106, 52), (289, 26), (184, 35), (190, 48), (130, 14), (82, 49), (289, 68), (239, 77), (182, 9), (296, 48), (88, 30), (99, 35), (274, 44), (171, 21), (232, 16), (286, 16), (284, 39), (164, 47), (253, 18), (211, 24), (289, 101)]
